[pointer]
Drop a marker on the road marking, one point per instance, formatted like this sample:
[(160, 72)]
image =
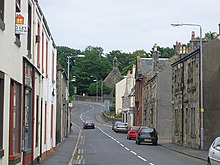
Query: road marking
[(138, 156), (127, 148), (142, 158), (122, 145), (133, 152)]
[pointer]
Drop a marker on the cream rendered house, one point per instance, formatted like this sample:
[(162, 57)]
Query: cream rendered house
[(27, 84), (10, 83), (125, 97)]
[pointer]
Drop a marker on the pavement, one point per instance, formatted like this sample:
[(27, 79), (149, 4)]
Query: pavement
[(64, 152)]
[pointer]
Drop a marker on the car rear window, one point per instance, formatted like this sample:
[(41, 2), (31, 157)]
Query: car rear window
[(124, 124), (135, 128), (89, 121), (147, 130)]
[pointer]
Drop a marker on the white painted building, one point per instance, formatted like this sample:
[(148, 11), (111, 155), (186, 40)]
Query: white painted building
[(27, 83), (125, 97), (119, 93)]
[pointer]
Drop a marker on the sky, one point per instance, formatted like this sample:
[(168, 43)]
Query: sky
[(128, 25)]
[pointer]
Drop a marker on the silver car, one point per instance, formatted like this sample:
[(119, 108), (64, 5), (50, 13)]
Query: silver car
[(214, 153), (121, 127)]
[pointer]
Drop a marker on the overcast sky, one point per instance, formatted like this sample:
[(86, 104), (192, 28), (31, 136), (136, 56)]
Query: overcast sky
[(127, 25)]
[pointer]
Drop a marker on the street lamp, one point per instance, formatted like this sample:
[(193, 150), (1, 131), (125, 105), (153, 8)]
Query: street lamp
[(68, 81), (201, 83), (97, 91)]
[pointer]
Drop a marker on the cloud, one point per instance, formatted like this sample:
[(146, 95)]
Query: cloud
[(126, 24)]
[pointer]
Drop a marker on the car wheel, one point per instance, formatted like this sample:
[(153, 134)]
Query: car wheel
[(155, 143)]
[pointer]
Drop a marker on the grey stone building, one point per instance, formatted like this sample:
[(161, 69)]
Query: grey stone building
[(187, 128), (157, 96), (114, 76), (62, 103)]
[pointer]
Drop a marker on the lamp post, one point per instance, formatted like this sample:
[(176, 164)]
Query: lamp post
[(102, 96), (68, 83), (201, 84), (97, 89)]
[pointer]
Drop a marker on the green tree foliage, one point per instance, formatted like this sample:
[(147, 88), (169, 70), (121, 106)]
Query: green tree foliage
[(96, 66), (164, 52), (126, 60), (93, 87), (210, 36), (93, 66)]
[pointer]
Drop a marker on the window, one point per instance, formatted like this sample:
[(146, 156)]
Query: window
[(1, 112), (176, 120), (2, 6), (45, 124), (193, 124), (2, 9), (29, 29), (46, 58), (18, 9), (42, 52), (27, 112), (37, 126), (38, 45), (51, 135), (53, 66), (15, 120), (27, 129), (152, 116)]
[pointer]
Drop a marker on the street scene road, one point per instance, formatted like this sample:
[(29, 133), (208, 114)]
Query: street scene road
[(102, 146)]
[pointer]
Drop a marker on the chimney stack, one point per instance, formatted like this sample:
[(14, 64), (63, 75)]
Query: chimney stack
[(193, 36), (129, 72)]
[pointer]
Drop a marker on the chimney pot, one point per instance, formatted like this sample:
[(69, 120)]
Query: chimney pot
[(193, 35), (129, 72)]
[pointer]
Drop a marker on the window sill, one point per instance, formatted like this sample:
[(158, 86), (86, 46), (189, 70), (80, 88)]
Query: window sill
[(17, 42), (2, 25), (1, 153), (15, 157), (27, 151)]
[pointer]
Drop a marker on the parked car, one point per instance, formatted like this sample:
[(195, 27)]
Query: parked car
[(214, 153), (132, 131), (146, 135), (115, 123), (121, 127), (88, 124)]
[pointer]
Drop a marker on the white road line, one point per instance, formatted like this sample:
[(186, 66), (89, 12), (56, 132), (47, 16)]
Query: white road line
[(127, 148), (142, 158), (133, 152), (124, 146)]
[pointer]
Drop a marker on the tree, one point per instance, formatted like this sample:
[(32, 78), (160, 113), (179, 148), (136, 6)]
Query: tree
[(210, 36), (164, 52), (126, 60), (93, 64)]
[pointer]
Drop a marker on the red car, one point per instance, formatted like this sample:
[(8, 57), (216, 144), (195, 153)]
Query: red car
[(132, 132)]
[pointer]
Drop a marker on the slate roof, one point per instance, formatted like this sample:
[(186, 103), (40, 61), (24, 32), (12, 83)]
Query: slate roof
[(146, 64)]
